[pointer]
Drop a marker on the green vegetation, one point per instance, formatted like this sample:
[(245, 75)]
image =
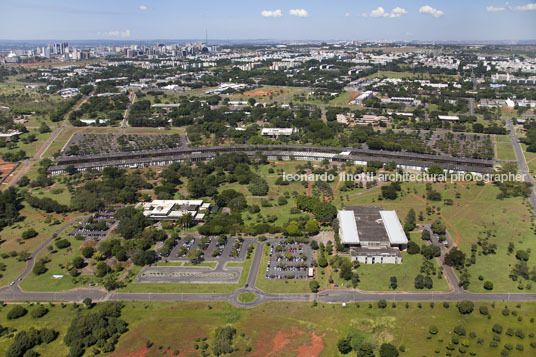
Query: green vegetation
[(247, 297)]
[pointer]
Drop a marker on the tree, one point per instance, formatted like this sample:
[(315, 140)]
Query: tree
[(413, 248), (344, 345), (88, 252), (460, 330), (193, 255), (39, 311), (366, 350), (431, 251), (39, 268), (488, 285), (44, 128), (465, 307), (314, 286), (30, 233), (393, 283), (16, 312), (522, 255), (312, 227), (455, 258), (62, 243), (88, 302), (411, 221), (426, 235), (435, 170), (78, 262), (419, 282), (382, 304), (322, 261), (258, 187), (388, 350), (433, 330)]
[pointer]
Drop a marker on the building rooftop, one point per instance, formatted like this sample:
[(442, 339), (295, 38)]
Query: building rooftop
[(393, 227), (349, 234)]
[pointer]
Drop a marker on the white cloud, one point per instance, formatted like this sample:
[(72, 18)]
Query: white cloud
[(271, 13), (494, 9), (143, 8), (528, 7), (299, 12), (427, 9), (380, 12), (123, 34), (397, 12)]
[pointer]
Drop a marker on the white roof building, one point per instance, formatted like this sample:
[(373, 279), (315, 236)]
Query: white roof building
[(348, 228), (393, 227), (448, 117)]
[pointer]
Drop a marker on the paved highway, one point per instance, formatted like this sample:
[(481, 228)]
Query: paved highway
[(522, 163)]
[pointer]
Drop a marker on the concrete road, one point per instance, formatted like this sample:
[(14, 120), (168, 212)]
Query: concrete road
[(522, 163)]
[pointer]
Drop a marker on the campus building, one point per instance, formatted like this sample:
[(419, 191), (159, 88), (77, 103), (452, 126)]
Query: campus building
[(174, 209), (373, 235)]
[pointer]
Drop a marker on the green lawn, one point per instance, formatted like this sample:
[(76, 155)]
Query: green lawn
[(13, 242), (376, 277), (247, 297), (505, 152), (503, 139), (63, 257)]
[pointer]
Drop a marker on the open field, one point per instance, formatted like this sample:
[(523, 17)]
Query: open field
[(505, 152), (475, 214), (294, 329), (12, 240), (376, 277)]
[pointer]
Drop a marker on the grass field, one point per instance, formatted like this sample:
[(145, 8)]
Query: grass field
[(247, 297), (376, 276), (290, 329), (503, 139), (505, 152), (475, 214), (13, 241)]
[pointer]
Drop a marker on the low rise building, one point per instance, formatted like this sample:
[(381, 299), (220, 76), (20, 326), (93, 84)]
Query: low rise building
[(174, 209), (373, 235)]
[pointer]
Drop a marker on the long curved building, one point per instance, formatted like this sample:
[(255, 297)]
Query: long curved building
[(162, 157)]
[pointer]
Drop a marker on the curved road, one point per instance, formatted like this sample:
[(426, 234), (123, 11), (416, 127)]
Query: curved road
[(327, 296)]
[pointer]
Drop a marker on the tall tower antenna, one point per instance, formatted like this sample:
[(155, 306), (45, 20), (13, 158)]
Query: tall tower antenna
[(206, 37)]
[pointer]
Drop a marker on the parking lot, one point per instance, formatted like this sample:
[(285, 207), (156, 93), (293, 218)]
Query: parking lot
[(289, 261), (212, 249), (192, 275)]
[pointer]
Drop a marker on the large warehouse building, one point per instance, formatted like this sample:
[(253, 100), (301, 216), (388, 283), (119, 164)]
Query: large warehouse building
[(373, 235)]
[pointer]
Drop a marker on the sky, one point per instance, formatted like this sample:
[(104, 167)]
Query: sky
[(426, 20)]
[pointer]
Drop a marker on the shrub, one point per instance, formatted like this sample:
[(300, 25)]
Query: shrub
[(488, 285), (16, 312), (388, 350), (30, 233), (344, 345), (63, 243), (465, 307), (382, 304), (497, 329), (433, 330), (483, 310), (39, 311), (460, 330)]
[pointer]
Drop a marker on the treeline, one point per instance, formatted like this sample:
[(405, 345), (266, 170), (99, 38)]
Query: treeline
[(59, 113), (24, 341), (46, 204), (10, 204)]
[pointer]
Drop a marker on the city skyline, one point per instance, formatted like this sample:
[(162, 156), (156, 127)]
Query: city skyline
[(408, 20)]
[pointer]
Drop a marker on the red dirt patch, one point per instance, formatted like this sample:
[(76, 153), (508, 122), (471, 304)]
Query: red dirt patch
[(314, 349), (284, 342), (142, 352), (259, 93)]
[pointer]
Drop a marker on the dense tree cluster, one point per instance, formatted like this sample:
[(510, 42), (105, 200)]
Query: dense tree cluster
[(101, 328)]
